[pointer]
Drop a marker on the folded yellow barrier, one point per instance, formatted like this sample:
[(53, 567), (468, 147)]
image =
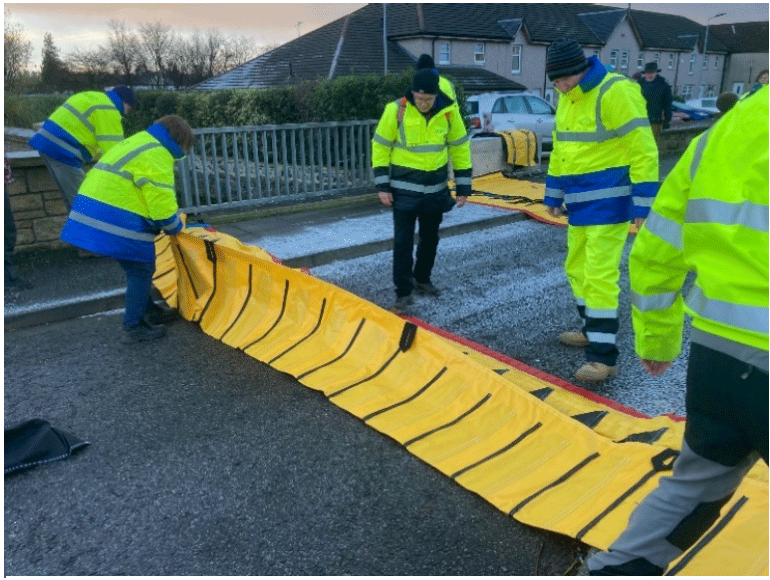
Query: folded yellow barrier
[(520, 146), (535, 449), (497, 190)]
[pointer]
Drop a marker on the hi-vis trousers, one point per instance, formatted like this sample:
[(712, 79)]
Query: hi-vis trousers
[(593, 271)]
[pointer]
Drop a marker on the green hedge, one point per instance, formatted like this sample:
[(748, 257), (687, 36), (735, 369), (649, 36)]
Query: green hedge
[(342, 99)]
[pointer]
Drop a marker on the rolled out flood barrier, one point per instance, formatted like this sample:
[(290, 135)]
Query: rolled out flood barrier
[(535, 447)]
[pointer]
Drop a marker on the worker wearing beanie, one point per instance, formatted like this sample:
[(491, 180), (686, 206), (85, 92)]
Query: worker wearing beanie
[(411, 148), (604, 168), (85, 126), (426, 61), (709, 219)]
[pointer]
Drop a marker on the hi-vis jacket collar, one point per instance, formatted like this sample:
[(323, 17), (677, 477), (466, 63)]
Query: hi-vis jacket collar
[(594, 76), (117, 101), (159, 132)]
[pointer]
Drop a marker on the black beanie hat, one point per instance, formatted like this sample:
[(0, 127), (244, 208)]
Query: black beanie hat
[(565, 58), (425, 61), (425, 81), (126, 94)]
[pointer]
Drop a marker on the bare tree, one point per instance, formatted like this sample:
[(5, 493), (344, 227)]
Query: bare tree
[(237, 51), (214, 47), (90, 65), (156, 41), (17, 52), (123, 48)]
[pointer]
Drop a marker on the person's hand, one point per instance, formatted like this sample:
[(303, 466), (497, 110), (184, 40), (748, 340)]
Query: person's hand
[(639, 222), (554, 212), (654, 367), (386, 198), (461, 200)]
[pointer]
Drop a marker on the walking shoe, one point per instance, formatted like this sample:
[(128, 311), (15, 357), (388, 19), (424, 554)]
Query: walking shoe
[(160, 315), (143, 331), (595, 372), (402, 303), (576, 339), (426, 289)]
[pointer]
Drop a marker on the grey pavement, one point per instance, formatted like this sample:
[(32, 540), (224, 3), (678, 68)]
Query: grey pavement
[(204, 461)]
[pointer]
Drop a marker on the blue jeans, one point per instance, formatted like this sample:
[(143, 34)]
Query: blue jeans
[(138, 286)]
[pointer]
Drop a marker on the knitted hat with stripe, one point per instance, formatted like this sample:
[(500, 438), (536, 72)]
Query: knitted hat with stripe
[(565, 58)]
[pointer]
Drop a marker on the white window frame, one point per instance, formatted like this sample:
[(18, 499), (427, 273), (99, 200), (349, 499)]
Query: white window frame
[(444, 45), (670, 61), (705, 61), (516, 59), (692, 64), (479, 49), (624, 60), (710, 91), (687, 92), (640, 61), (716, 62), (597, 52), (656, 58), (614, 58)]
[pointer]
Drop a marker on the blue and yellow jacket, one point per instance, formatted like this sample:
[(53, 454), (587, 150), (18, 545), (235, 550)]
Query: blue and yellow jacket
[(128, 198), (86, 124), (604, 163)]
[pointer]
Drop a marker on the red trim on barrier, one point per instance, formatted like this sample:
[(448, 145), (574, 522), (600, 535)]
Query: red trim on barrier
[(535, 372)]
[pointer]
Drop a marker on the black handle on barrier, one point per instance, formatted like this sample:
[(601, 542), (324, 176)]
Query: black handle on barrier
[(664, 460), (407, 336)]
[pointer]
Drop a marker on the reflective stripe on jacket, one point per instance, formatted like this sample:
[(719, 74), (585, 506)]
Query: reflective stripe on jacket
[(85, 124), (127, 198), (410, 158), (710, 218), (604, 163)]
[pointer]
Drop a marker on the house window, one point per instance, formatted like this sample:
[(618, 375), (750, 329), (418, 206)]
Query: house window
[(705, 61), (478, 53), (596, 52), (444, 53), (716, 61), (614, 58), (687, 92), (624, 59), (516, 59), (710, 91), (640, 60), (670, 61), (656, 58), (692, 63)]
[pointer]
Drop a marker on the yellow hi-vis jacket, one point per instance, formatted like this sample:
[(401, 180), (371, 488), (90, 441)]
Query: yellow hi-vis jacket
[(86, 124), (604, 163), (711, 218), (410, 155), (127, 198)]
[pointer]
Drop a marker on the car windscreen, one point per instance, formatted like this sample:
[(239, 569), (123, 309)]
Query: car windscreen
[(472, 108), (539, 107)]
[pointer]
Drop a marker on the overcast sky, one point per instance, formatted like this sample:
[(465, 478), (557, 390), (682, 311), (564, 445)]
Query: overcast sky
[(85, 25)]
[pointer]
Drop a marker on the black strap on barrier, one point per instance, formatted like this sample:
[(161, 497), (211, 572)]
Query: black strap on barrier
[(187, 271), (452, 422), (335, 359), (708, 537), (590, 419), (370, 377), (407, 336), (506, 197), (243, 307), (515, 442), (554, 483), (304, 338), (277, 320), (411, 398), (663, 461), (648, 437), (211, 254), (542, 394)]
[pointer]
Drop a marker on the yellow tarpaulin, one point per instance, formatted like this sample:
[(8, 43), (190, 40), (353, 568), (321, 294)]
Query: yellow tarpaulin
[(527, 443)]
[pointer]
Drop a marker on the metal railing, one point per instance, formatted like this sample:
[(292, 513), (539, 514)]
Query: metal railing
[(231, 167)]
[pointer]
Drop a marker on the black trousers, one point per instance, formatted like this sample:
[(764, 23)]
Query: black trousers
[(403, 247)]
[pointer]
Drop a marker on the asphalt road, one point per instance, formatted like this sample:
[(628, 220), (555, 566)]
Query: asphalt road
[(204, 461)]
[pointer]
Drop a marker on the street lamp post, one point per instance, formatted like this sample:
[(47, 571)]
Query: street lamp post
[(705, 54)]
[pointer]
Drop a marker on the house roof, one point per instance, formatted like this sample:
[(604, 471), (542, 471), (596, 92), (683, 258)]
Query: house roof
[(667, 31), (479, 80), (351, 45), (743, 36)]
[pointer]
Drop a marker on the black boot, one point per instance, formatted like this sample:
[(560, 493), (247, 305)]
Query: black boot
[(143, 331), (160, 315)]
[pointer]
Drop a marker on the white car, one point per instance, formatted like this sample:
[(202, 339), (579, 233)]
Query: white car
[(504, 111), (704, 104)]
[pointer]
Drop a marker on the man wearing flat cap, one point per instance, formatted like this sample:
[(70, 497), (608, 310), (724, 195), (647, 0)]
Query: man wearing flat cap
[(78, 132), (411, 149), (604, 169), (657, 93)]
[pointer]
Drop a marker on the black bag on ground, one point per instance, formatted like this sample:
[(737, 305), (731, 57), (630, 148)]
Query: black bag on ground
[(35, 442)]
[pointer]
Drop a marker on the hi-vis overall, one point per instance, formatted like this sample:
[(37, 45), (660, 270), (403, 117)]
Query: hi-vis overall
[(604, 168)]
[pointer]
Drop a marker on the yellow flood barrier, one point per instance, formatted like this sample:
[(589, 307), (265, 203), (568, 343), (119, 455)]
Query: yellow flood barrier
[(532, 447)]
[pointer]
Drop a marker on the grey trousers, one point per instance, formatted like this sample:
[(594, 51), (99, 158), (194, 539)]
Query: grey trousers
[(68, 179)]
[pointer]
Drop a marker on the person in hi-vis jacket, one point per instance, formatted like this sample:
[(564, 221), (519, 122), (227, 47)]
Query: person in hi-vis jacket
[(126, 200), (411, 148), (604, 169)]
